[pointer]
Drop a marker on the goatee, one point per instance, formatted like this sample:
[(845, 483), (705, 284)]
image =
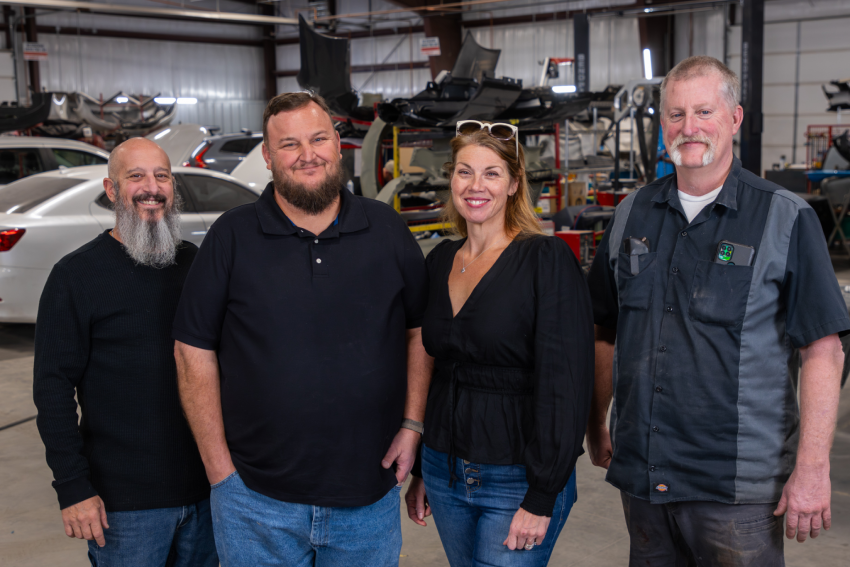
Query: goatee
[(310, 200), (148, 242)]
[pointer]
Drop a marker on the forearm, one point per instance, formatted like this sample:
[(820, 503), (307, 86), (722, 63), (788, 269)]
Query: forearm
[(420, 366), (200, 395), (820, 386), (57, 424), (603, 388)]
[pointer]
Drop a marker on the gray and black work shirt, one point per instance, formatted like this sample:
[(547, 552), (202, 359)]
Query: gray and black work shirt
[(704, 408)]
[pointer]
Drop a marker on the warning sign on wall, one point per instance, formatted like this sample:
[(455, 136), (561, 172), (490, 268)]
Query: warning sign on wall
[(430, 46), (35, 52)]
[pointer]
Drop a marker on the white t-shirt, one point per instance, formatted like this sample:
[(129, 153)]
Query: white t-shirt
[(693, 205)]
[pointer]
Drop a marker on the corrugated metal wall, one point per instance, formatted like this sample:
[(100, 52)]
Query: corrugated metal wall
[(227, 80), (824, 55)]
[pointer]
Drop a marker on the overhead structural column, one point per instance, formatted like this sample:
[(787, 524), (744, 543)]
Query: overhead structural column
[(32, 36), (448, 29), (581, 52), (656, 35), (269, 53), (752, 70)]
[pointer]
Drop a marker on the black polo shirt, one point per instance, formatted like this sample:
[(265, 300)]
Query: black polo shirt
[(704, 408), (310, 333)]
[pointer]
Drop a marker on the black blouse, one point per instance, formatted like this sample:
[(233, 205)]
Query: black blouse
[(514, 369)]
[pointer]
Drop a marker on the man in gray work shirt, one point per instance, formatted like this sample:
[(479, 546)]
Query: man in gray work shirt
[(708, 279)]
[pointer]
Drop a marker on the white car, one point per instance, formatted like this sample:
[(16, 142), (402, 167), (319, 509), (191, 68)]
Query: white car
[(252, 170), (21, 156), (179, 141), (44, 217)]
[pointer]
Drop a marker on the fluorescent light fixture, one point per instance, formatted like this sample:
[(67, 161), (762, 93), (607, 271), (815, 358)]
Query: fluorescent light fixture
[(647, 10), (165, 100), (564, 89), (121, 99), (187, 100), (647, 64), (161, 134)]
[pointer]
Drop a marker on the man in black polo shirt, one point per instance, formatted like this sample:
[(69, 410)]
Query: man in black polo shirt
[(300, 360), (708, 279)]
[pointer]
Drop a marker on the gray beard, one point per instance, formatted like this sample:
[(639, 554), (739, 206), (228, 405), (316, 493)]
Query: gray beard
[(311, 201), (149, 243)]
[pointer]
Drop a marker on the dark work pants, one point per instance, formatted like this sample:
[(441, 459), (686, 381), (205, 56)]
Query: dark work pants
[(703, 534)]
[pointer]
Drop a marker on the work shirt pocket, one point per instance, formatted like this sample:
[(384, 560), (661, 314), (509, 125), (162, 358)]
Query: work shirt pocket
[(635, 291), (719, 293)]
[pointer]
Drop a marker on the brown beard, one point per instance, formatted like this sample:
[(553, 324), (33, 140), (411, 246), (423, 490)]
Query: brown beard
[(310, 200)]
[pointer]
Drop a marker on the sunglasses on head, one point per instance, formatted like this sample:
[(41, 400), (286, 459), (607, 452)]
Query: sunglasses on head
[(498, 130)]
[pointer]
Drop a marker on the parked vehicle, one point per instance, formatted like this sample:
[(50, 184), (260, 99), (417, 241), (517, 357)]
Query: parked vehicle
[(46, 216), (21, 156), (225, 152), (179, 140), (252, 170)]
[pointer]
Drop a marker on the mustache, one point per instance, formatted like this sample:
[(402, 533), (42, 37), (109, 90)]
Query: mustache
[(307, 165), (681, 139)]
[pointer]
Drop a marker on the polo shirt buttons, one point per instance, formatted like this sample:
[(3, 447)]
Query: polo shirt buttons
[(652, 469), (669, 309), (655, 428), (675, 270), (659, 389), (684, 233), (662, 348), (316, 241), (318, 260)]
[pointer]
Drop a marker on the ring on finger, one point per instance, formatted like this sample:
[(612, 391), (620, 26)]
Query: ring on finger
[(529, 545)]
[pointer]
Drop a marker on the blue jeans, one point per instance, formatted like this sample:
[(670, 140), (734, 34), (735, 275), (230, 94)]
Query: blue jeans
[(253, 530), (162, 537), (474, 518)]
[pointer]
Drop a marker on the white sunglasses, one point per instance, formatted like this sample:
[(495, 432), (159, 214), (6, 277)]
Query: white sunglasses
[(498, 130)]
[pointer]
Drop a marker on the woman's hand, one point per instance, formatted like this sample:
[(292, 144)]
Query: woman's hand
[(526, 528), (417, 501)]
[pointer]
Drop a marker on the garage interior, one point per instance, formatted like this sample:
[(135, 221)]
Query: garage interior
[(582, 76)]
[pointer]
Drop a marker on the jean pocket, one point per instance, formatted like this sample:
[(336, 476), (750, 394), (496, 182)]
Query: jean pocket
[(719, 293), (635, 290), (762, 523), (224, 481)]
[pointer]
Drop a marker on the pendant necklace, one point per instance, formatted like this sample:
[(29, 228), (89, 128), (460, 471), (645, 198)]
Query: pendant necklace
[(463, 269)]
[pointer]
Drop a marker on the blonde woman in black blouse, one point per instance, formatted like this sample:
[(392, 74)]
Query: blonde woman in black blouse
[(509, 325)]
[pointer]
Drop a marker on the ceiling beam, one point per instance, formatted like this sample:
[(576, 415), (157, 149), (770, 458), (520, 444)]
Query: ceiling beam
[(151, 12)]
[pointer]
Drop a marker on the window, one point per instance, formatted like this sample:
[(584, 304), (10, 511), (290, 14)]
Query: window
[(213, 195), (26, 194), (75, 158), (18, 163), (241, 145)]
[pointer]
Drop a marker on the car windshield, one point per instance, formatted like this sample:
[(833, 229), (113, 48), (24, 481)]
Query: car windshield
[(23, 195)]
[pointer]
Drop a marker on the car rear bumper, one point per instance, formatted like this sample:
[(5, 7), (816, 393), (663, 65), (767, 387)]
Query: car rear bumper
[(20, 292)]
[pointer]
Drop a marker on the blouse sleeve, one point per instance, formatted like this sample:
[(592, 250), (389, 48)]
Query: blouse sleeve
[(563, 374)]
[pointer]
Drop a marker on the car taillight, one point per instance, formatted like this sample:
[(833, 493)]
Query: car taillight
[(198, 158), (10, 237)]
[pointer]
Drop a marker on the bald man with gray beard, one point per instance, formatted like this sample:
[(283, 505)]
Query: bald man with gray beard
[(128, 475)]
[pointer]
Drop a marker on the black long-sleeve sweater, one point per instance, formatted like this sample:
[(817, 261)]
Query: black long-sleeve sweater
[(104, 333)]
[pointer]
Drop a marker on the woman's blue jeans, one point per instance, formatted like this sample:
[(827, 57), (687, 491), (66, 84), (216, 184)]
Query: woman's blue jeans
[(474, 516)]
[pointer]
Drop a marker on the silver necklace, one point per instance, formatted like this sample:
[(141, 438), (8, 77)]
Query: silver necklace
[(463, 260)]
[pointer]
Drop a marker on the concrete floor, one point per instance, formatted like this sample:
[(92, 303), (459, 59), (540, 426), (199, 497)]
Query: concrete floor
[(31, 533)]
